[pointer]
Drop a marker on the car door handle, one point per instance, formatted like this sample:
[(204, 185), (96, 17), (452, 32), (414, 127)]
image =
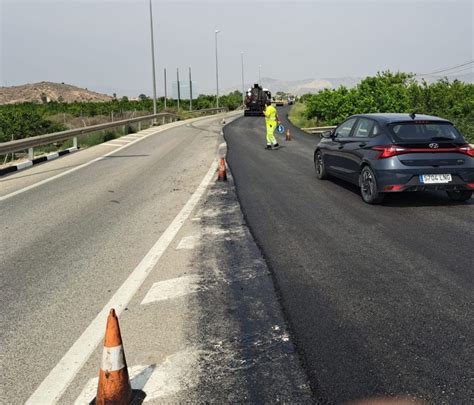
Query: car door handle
[(362, 144)]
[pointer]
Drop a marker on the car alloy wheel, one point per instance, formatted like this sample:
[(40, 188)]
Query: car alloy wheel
[(368, 187), (319, 166)]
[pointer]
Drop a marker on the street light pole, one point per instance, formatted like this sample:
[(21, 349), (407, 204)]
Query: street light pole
[(166, 90), (190, 91), (217, 72), (179, 89), (243, 85), (259, 75), (153, 59)]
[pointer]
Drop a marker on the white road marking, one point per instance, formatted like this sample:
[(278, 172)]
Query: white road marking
[(174, 288), (188, 242), (116, 144), (156, 381), (109, 144), (120, 140), (57, 381)]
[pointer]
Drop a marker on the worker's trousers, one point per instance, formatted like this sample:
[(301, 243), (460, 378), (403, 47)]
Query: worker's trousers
[(271, 126)]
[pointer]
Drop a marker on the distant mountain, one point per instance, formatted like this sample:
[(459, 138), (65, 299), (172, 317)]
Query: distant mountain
[(299, 87), (305, 86), (48, 91)]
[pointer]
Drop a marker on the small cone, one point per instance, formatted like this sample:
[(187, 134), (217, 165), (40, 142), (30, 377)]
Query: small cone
[(222, 175), (288, 135), (114, 383)]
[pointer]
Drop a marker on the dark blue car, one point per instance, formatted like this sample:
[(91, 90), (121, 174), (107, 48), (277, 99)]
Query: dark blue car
[(387, 153)]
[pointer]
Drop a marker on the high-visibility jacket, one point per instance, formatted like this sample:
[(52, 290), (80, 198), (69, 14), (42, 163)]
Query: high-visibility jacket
[(270, 114)]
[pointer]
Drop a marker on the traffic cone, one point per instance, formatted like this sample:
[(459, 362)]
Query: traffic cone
[(288, 135), (114, 383), (221, 174)]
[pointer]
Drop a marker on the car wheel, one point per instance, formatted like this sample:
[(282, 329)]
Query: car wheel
[(319, 166), (459, 195), (368, 187)]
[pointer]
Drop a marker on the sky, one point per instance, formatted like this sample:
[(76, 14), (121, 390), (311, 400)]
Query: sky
[(104, 45)]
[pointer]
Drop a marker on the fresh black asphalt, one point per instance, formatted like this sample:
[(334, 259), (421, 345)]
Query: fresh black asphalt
[(379, 298)]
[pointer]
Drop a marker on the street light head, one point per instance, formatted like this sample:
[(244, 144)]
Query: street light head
[(217, 31)]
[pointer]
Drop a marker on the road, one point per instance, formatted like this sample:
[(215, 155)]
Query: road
[(138, 224), (379, 298)]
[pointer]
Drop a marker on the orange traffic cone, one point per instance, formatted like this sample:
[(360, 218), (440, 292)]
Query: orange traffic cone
[(222, 175), (114, 383), (288, 135)]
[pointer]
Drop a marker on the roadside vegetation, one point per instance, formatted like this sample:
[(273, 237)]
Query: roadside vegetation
[(19, 121), (391, 92), (298, 117)]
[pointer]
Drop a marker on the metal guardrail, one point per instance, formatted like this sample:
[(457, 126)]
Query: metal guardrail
[(30, 143), (318, 130)]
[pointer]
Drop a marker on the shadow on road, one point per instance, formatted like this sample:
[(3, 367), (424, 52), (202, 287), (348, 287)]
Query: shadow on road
[(408, 199)]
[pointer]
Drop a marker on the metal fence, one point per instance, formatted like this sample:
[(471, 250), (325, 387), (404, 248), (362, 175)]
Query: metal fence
[(41, 140), (318, 130)]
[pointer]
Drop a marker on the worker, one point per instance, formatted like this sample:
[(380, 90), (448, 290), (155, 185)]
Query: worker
[(271, 120)]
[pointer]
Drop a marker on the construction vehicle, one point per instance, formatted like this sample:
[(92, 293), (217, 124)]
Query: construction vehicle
[(255, 101)]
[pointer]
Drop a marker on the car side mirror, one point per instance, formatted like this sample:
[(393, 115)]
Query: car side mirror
[(327, 134)]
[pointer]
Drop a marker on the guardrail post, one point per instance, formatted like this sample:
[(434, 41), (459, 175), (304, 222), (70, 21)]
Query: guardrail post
[(163, 120), (123, 129), (31, 154), (139, 126), (74, 142)]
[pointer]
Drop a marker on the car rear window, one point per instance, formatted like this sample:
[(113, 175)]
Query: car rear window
[(425, 131)]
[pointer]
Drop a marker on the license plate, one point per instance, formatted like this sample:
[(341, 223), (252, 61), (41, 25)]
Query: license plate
[(435, 178)]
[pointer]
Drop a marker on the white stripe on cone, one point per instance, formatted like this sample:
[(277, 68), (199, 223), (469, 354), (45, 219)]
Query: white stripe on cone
[(112, 358)]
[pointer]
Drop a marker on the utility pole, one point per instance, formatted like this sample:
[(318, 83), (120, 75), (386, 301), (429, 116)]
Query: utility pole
[(166, 92), (153, 59), (260, 75), (243, 86), (217, 72), (179, 90), (190, 90)]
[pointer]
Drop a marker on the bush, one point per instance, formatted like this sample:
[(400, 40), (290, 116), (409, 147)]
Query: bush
[(396, 92)]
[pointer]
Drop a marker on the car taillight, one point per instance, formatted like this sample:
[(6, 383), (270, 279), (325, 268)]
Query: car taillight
[(467, 150), (395, 187), (394, 150), (389, 151)]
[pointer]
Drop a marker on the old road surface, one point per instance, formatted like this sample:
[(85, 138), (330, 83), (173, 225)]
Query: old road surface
[(379, 298), (139, 224)]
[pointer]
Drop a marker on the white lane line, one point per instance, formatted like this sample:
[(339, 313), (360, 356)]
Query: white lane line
[(40, 183), (188, 242), (57, 381), (115, 144), (174, 288), (176, 373), (109, 144)]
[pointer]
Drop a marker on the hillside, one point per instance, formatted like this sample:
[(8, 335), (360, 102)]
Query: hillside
[(305, 86), (46, 92)]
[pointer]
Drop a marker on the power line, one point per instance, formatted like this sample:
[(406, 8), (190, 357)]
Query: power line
[(446, 69), (453, 72)]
